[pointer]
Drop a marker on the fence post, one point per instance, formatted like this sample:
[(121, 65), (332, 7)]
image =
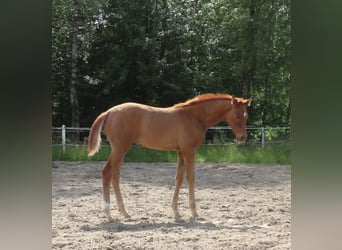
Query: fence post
[(63, 138), (262, 137)]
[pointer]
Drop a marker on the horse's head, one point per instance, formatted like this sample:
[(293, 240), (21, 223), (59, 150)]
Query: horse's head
[(237, 118)]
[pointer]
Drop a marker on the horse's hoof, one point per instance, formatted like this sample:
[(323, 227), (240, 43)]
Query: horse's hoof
[(110, 219), (194, 217), (178, 219), (126, 216)]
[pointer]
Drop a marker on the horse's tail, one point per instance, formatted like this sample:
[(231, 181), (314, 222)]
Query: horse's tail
[(94, 139)]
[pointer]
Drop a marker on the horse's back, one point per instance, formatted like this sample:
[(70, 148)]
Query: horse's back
[(152, 127)]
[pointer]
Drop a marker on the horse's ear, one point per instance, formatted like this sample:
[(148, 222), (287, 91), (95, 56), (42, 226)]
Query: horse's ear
[(249, 101), (233, 100)]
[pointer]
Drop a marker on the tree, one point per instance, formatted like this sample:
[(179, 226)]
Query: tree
[(161, 52), (73, 24), (75, 112)]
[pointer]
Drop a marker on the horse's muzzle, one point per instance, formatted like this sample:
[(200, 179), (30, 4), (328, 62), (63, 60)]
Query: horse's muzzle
[(240, 139)]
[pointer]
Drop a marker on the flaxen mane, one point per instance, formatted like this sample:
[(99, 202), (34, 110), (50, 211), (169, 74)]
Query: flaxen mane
[(202, 98)]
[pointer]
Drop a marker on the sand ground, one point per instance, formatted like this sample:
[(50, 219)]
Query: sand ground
[(241, 206)]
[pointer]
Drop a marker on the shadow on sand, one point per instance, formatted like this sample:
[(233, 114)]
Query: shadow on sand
[(134, 225)]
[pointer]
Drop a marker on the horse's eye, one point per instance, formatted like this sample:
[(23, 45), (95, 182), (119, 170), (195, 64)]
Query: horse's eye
[(241, 115)]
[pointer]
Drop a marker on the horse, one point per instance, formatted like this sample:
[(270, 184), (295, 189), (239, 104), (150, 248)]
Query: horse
[(179, 128)]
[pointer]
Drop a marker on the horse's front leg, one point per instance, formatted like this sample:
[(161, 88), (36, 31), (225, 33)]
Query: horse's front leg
[(178, 183), (190, 176)]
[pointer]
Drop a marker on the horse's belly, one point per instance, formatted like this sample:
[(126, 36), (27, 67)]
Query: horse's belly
[(157, 142)]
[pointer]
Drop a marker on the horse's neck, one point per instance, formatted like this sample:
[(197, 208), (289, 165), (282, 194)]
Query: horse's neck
[(212, 112)]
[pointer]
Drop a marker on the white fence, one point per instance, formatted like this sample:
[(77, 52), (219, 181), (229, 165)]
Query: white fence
[(219, 135)]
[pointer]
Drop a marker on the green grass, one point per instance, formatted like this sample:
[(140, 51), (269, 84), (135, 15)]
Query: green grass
[(276, 153)]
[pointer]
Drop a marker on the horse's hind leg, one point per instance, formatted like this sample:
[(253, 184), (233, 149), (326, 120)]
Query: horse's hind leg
[(178, 183), (116, 187), (107, 174), (116, 161), (111, 174)]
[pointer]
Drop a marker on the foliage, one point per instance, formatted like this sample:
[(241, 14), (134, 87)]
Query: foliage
[(162, 52)]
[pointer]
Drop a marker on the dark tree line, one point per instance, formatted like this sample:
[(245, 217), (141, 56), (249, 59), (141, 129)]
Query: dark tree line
[(161, 52)]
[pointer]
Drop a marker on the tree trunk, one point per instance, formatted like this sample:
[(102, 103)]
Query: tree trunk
[(250, 55), (265, 101), (75, 109), (75, 120)]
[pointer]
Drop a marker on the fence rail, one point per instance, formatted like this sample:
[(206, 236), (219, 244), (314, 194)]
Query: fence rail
[(218, 135)]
